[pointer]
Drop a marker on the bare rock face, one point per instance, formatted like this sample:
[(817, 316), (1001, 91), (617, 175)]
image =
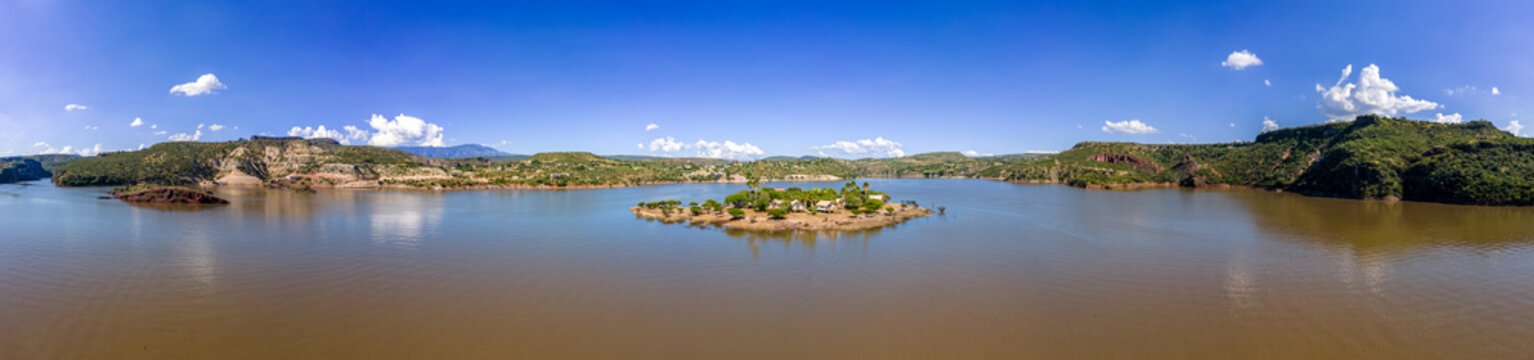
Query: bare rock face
[(1130, 160)]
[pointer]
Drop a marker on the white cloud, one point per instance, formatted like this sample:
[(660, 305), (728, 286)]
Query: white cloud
[(1454, 118), (1514, 127), (215, 127), (88, 127), (184, 137), (1241, 59), (319, 132), (40, 144), (141, 146), (205, 84), (726, 150), (1232, 124), (652, 126), (1128, 127), (705, 148), (90, 151), (1268, 124), (137, 122), (1266, 82), (666, 144), (154, 126), (878, 147), (972, 153), (1189, 136), (161, 132), (404, 130), (1495, 91), (73, 107), (1371, 95), (199, 126)]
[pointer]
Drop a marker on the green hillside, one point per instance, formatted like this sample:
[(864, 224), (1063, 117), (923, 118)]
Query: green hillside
[(1371, 157)]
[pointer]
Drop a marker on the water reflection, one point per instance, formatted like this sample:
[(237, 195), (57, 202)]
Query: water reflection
[(1371, 228), (399, 219)]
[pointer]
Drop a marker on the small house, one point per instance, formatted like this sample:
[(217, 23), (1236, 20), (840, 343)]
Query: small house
[(775, 203), (879, 197), (796, 206), (824, 205)]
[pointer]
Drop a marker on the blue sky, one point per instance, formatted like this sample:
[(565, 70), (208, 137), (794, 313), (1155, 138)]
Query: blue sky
[(744, 79)]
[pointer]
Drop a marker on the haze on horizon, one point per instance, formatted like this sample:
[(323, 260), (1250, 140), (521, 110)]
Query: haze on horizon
[(744, 80)]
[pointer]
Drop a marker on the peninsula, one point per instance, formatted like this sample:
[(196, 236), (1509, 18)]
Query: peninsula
[(790, 209)]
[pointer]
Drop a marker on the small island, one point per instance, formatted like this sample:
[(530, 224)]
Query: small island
[(166, 195), (790, 209)]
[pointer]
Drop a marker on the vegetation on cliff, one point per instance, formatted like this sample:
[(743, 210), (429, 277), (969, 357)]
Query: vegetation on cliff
[(1371, 157), (34, 167)]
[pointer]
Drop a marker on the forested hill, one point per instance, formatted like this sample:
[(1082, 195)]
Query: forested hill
[(34, 167), (1371, 157)]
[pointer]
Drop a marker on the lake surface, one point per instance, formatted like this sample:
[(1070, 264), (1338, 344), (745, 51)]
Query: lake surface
[(1010, 271)]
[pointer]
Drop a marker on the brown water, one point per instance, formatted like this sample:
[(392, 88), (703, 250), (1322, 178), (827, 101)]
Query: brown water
[(1012, 271)]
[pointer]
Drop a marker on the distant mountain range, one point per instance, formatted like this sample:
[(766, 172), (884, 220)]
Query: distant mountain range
[(456, 152)]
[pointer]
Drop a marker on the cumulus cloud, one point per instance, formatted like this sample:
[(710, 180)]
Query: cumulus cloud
[(137, 122), (73, 107), (1241, 59), (215, 127), (204, 85), (666, 144), (1514, 127), (727, 150), (186, 137), (878, 147), (1128, 127), (1454, 118), (318, 132), (652, 126), (972, 153), (1372, 94), (1495, 91), (1268, 124), (90, 151), (404, 129), (704, 148)]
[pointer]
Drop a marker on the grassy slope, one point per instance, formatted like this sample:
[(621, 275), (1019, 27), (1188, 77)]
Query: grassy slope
[(1372, 157)]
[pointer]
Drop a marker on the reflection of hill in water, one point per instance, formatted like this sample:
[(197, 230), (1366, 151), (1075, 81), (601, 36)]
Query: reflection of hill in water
[(1374, 226), (805, 239)]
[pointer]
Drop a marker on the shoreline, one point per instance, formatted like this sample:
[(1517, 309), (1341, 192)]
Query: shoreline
[(1109, 187)]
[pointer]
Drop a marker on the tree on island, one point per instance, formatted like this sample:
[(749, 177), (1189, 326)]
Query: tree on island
[(777, 213), (737, 213)]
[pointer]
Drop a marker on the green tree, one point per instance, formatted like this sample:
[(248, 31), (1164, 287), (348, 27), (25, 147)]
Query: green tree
[(777, 213), (737, 213)]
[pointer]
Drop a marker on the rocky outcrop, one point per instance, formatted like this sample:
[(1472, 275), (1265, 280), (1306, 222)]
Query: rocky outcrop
[(1131, 160), (169, 195)]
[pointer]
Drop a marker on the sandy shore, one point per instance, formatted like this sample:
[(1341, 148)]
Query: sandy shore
[(759, 221)]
